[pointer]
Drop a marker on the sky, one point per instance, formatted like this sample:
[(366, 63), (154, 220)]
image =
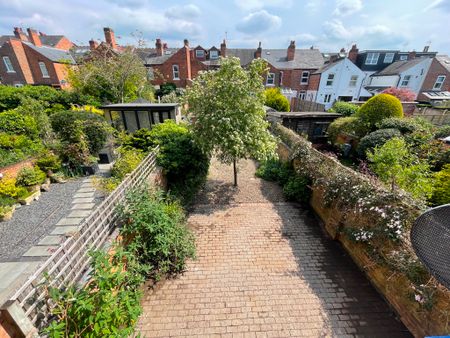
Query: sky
[(326, 24)]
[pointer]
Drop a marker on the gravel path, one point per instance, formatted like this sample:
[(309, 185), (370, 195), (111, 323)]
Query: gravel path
[(30, 223)]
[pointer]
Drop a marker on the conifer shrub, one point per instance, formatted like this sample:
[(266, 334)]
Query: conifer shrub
[(378, 108), (276, 100), (344, 108)]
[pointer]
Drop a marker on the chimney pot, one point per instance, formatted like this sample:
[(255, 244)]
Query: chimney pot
[(110, 37), (93, 44), (353, 54), (34, 37), (291, 51), (258, 51), (159, 47), (186, 42)]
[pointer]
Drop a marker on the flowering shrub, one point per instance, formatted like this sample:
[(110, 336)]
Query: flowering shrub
[(403, 94)]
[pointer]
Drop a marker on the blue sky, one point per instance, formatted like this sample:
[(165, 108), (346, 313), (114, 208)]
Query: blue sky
[(327, 24)]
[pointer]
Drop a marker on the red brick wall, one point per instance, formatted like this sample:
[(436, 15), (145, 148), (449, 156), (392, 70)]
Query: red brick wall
[(13, 169), (435, 70), (16, 53), (314, 82), (64, 43), (291, 78), (34, 58)]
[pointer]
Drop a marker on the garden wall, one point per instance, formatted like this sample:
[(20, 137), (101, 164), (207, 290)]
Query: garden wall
[(13, 169), (393, 284)]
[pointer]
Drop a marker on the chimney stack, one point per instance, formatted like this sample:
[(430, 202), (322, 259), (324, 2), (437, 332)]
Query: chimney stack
[(426, 48), (223, 49), (159, 47), (291, 51), (164, 46), (34, 37), (353, 54), (18, 33), (186, 43), (258, 51), (342, 50), (412, 55), (93, 44), (110, 38)]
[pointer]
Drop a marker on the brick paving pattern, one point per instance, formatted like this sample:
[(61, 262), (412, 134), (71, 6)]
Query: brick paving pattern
[(264, 269)]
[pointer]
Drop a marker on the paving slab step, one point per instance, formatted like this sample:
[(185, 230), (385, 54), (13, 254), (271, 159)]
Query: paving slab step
[(65, 230), (83, 206), (51, 240), (79, 213), (83, 200), (69, 221), (40, 251)]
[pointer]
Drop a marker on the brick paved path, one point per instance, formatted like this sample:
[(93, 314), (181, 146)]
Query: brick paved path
[(264, 269)]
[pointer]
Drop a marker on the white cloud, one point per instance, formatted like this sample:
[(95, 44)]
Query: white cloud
[(258, 22), (304, 37), (347, 7), (438, 4), (183, 12), (258, 4)]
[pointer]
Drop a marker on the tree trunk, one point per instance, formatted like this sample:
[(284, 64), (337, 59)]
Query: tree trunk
[(235, 172)]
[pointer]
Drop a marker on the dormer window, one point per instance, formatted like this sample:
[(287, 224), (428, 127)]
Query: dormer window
[(389, 57), (372, 58), (213, 54), (199, 53)]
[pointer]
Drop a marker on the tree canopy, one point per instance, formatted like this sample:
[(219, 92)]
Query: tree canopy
[(227, 110)]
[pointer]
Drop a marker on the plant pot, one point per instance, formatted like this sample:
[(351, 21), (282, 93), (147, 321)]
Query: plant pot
[(32, 197), (7, 215), (89, 169)]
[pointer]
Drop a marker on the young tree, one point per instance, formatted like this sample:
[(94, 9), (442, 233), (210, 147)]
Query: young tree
[(395, 164), (112, 76), (227, 108)]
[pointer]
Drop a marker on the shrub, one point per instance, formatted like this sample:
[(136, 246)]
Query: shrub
[(350, 125), (442, 132), (184, 164), (296, 189), (378, 108), (344, 108), (14, 123), (441, 192), (108, 306), (48, 162), (28, 177), (275, 170), (403, 94), (126, 162), (8, 187), (166, 89), (404, 125), (376, 139), (276, 100), (156, 227)]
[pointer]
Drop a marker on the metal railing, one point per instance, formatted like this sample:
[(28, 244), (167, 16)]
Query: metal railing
[(71, 260)]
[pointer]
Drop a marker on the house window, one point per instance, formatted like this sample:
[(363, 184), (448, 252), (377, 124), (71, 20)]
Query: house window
[(439, 82), (213, 54), (372, 58), (353, 81), (270, 79), (44, 70), (302, 95), (199, 53), (405, 81), (304, 78), (150, 73), (389, 57), (327, 98), (8, 65), (330, 79), (403, 57), (175, 72), (281, 78)]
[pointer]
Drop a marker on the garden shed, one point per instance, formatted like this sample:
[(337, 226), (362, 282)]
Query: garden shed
[(313, 124), (140, 114)]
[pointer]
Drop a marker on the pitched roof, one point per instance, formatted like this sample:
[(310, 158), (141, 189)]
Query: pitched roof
[(50, 40), (444, 60), (245, 55), (53, 54), (399, 67), (303, 59), (4, 38), (327, 66), (150, 56)]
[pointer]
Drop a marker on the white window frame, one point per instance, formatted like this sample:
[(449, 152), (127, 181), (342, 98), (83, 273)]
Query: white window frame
[(197, 51), (8, 64), (439, 83), (270, 76), (372, 58), (175, 72), (353, 81), (403, 57), (389, 57), (44, 70), (304, 79), (405, 81), (302, 95), (327, 98), (281, 77), (330, 81), (215, 55)]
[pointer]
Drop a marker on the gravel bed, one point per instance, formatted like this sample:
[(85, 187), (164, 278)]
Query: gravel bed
[(32, 222)]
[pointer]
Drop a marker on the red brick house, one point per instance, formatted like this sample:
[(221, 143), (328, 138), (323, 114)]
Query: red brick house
[(437, 80), (36, 59)]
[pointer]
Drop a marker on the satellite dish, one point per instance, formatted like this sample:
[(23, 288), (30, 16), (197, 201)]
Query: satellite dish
[(430, 238)]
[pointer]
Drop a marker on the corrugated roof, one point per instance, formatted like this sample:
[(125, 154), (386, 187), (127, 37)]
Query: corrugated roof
[(399, 67), (444, 60), (53, 54)]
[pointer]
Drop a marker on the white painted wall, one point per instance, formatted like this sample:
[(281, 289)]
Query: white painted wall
[(384, 81), (418, 74), (343, 71)]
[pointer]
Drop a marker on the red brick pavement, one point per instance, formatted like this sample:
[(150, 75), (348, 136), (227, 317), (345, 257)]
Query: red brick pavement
[(264, 269)]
